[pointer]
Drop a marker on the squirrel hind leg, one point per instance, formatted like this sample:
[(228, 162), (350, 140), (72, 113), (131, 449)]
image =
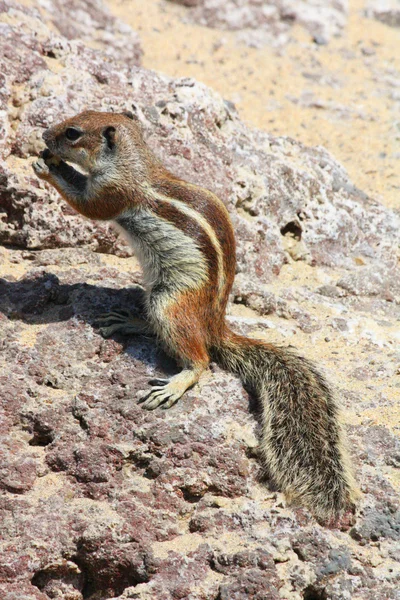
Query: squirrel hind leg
[(181, 331), (168, 392)]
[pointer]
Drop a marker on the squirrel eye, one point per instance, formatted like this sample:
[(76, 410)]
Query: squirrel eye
[(72, 134)]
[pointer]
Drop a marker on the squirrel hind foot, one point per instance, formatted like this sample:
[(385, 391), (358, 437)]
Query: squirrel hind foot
[(121, 321), (168, 392)]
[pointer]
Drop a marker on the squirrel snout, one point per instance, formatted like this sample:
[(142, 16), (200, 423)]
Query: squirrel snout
[(50, 140)]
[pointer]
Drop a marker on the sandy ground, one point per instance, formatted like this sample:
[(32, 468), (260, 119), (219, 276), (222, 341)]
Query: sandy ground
[(344, 96)]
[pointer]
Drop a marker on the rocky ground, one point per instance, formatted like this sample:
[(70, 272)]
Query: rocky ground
[(102, 500)]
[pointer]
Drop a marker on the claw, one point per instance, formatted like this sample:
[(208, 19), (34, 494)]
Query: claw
[(171, 401), (108, 331), (152, 404), (167, 392), (50, 158), (158, 381), (123, 312), (121, 321), (114, 315), (149, 394), (40, 168), (102, 317)]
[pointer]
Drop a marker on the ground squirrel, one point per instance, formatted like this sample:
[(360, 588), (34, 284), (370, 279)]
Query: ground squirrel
[(184, 240)]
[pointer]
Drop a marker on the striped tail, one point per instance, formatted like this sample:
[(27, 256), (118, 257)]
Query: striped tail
[(302, 444)]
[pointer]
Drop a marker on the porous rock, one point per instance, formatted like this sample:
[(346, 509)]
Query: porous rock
[(100, 499), (274, 17), (93, 23), (386, 11)]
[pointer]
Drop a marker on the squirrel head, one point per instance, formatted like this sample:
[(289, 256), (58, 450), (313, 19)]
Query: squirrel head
[(98, 142)]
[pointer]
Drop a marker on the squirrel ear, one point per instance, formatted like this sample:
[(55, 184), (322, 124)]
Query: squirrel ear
[(109, 134)]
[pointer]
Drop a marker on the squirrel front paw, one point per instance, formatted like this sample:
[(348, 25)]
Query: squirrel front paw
[(49, 158), (43, 165), (41, 169)]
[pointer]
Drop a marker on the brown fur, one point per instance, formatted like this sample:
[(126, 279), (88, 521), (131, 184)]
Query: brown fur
[(188, 341), (108, 206), (215, 213), (191, 228), (93, 123)]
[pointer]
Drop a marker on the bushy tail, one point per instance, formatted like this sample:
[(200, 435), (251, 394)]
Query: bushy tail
[(302, 442)]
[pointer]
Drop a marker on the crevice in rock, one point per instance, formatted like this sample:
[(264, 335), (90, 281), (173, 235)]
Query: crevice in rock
[(313, 592), (82, 422), (50, 384), (109, 572), (190, 497), (80, 417), (42, 435), (41, 438), (141, 461), (61, 580), (99, 588), (299, 553), (49, 53), (146, 463), (293, 229), (152, 472)]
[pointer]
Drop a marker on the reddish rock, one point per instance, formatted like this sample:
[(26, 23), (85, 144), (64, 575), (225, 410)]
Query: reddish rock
[(100, 499)]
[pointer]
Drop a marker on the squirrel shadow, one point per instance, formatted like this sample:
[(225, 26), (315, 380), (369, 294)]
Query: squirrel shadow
[(41, 299)]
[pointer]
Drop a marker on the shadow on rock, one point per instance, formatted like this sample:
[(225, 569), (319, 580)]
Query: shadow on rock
[(41, 299)]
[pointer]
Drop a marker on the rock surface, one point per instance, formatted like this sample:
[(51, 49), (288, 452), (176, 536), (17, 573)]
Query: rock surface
[(386, 11), (321, 18), (102, 500), (92, 23)]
